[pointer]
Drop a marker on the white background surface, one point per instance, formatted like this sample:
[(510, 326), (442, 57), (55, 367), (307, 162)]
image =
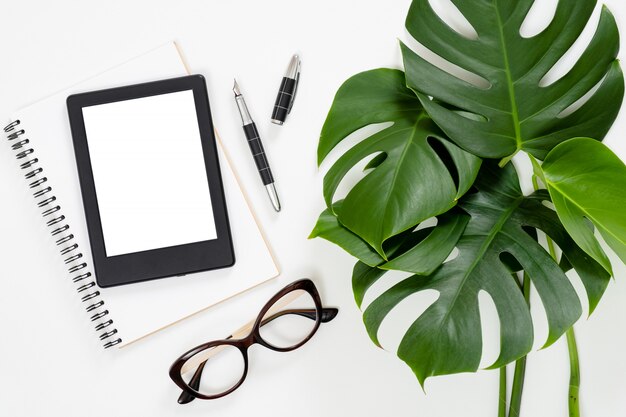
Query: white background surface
[(152, 191), (50, 363)]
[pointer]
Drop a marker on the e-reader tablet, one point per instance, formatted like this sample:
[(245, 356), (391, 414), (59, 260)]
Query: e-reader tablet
[(150, 180)]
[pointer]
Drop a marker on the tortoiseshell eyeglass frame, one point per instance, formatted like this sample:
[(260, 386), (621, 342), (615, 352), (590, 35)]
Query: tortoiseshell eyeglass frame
[(319, 314)]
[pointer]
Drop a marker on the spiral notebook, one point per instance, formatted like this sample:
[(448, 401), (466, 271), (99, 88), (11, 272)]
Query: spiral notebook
[(40, 138)]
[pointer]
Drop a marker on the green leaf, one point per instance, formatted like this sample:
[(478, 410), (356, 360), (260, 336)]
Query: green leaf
[(363, 277), (593, 276), (519, 112), (375, 96), (414, 181), (446, 338), (418, 252), (428, 254), (329, 228), (587, 183)]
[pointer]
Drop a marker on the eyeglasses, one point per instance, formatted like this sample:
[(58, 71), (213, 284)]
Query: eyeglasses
[(277, 327)]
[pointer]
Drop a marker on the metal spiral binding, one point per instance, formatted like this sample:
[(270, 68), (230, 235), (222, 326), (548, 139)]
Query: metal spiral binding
[(55, 220)]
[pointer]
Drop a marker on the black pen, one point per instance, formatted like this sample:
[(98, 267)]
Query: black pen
[(256, 147), (287, 91)]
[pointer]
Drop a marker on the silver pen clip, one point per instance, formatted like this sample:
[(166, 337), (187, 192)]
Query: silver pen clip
[(295, 90)]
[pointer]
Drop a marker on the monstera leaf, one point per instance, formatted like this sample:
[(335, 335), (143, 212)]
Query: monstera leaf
[(446, 338), (419, 252), (415, 174), (587, 183), (329, 228), (516, 111)]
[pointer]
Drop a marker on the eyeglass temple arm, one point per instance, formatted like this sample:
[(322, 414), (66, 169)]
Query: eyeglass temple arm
[(327, 315)]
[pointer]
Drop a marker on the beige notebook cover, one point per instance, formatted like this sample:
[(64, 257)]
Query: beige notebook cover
[(139, 310)]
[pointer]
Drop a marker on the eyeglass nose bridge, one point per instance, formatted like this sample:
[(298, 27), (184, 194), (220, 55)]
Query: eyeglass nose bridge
[(246, 342)]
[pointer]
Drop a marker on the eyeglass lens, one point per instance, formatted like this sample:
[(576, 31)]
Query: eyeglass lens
[(289, 325), (218, 374)]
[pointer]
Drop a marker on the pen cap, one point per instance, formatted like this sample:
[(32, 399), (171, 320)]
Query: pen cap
[(284, 100), (287, 92)]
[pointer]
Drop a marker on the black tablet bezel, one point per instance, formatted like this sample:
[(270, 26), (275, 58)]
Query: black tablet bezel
[(162, 262)]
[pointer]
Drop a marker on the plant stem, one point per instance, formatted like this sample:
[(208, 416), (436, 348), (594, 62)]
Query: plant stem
[(572, 348), (508, 159), (518, 387), (574, 367), (535, 183), (520, 365), (574, 377), (502, 396)]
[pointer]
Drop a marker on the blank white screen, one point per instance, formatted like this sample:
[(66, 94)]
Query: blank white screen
[(149, 173)]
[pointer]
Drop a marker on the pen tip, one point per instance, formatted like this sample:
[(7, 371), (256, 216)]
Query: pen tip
[(236, 88)]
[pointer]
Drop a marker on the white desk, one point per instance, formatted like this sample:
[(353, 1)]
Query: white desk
[(50, 364)]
